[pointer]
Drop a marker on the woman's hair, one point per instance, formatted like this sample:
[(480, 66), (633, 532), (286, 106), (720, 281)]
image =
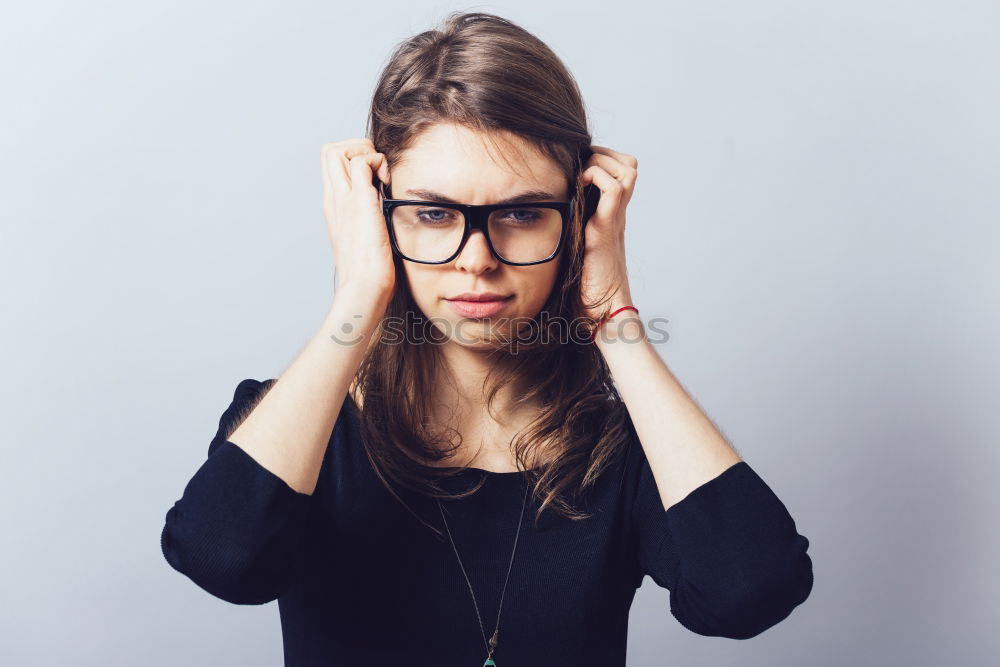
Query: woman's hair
[(488, 74)]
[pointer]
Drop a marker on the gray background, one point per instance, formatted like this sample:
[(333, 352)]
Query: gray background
[(816, 215)]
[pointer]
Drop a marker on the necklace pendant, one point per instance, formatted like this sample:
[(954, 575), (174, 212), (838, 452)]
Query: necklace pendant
[(489, 663)]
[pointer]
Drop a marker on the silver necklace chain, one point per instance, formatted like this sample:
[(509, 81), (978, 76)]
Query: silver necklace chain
[(493, 642)]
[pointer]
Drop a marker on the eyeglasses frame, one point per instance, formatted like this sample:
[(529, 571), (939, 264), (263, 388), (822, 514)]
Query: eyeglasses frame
[(476, 217)]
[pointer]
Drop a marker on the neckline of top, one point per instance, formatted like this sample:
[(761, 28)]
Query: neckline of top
[(472, 469)]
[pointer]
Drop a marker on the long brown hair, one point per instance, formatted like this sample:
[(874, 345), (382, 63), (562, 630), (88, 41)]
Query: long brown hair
[(488, 74)]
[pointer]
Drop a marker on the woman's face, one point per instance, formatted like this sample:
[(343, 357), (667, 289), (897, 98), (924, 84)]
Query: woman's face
[(455, 162)]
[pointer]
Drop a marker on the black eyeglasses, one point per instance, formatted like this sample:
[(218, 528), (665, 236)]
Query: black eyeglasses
[(430, 232)]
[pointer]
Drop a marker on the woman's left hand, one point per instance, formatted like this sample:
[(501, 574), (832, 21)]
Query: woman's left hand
[(604, 269)]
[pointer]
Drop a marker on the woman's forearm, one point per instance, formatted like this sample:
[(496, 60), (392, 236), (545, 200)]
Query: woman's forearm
[(288, 431), (684, 448)]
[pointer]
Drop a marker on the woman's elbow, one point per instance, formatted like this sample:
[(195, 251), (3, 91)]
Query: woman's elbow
[(229, 572), (748, 611)]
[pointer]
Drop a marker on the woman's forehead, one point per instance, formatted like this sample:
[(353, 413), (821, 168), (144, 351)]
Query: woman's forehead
[(445, 149)]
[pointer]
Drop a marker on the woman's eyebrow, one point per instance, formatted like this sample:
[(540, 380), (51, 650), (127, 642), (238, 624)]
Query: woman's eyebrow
[(528, 196)]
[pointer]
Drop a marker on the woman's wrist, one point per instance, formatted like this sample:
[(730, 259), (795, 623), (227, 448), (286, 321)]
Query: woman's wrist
[(355, 311), (363, 294), (622, 315)]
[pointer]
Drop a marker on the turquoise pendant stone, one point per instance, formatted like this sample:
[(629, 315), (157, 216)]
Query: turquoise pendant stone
[(489, 663)]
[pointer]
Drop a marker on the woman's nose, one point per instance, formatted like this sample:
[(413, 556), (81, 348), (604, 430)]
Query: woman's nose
[(476, 255)]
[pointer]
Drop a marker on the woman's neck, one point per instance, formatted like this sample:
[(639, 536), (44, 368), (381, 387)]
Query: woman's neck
[(460, 404)]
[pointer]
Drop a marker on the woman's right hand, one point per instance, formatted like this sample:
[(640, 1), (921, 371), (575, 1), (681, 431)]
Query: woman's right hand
[(353, 211)]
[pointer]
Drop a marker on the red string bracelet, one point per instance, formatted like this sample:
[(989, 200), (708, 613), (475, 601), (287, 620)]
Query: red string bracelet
[(593, 334)]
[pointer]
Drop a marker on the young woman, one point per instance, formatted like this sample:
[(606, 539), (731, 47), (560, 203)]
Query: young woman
[(452, 472)]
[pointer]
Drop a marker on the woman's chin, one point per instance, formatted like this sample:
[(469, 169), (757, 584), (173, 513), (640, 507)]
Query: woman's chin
[(478, 334)]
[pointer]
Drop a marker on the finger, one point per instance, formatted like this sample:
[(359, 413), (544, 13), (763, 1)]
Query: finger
[(337, 154), (358, 147), (611, 193), (336, 180), (622, 172), (365, 148), (383, 170), (624, 158), (362, 167)]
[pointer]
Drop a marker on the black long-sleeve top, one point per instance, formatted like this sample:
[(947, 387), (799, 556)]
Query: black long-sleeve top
[(360, 581)]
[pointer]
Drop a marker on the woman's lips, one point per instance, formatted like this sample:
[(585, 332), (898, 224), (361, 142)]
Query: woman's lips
[(478, 308)]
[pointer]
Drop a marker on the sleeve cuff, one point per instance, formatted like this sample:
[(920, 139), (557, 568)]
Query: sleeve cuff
[(743, 565)]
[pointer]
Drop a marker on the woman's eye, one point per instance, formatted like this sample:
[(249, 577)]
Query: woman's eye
[(434, 215), (521, 216)]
